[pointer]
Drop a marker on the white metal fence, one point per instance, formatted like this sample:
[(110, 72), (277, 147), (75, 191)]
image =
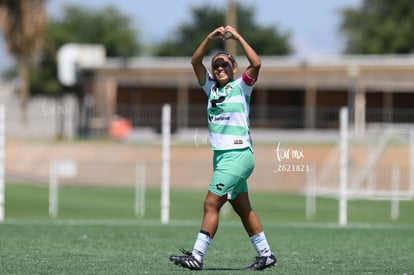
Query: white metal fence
[(66, 118), (375, 165)]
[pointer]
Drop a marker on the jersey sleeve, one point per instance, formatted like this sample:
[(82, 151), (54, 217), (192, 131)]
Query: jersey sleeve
[(208, 84)]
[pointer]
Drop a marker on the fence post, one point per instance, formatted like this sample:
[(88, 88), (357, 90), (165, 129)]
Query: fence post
[(343, 167), (311, 193), (395, 186), (2, 169), (165, 184), (411, 160), (59, 168), (140, 182)]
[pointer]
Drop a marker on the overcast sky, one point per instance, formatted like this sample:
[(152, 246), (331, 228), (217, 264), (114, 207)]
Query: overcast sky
[(313, 24)]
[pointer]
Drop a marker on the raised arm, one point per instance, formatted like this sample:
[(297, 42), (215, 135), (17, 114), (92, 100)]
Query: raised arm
[(254, 60), (198, 55)]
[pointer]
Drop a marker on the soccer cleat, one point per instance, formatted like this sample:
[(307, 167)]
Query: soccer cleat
[(187, 261), (263, 262)]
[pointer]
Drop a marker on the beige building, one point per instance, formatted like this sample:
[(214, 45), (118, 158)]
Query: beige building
[(290, 93)]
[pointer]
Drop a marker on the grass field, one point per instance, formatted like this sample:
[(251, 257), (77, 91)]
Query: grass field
[(96, 232)]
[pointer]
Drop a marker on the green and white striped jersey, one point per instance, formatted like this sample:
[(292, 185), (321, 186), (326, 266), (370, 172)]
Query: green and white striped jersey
[(228, 112)]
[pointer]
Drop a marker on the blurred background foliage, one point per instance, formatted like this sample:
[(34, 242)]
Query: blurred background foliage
[(376, 27)]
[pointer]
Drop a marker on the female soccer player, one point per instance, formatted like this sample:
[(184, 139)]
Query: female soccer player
[(233, 161)]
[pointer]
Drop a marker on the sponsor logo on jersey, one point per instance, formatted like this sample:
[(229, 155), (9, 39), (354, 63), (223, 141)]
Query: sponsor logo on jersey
[(218, 118)]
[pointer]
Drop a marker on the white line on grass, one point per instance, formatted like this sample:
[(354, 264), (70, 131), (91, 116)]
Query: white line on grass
[(81, 222)]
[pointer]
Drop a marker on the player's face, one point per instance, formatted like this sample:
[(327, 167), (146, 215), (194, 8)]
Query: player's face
[(223, 69)]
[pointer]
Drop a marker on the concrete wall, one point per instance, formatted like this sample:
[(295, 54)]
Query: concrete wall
[(46, 117)]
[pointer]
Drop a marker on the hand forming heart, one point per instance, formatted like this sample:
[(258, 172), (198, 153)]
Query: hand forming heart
[(224, 36)]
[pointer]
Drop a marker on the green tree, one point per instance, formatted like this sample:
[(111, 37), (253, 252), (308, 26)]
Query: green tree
[(379, 27), (107, 26), (78, 24), (23, 24), (265, 40)]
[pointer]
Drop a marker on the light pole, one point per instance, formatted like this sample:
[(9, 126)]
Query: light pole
[(231, 20)]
